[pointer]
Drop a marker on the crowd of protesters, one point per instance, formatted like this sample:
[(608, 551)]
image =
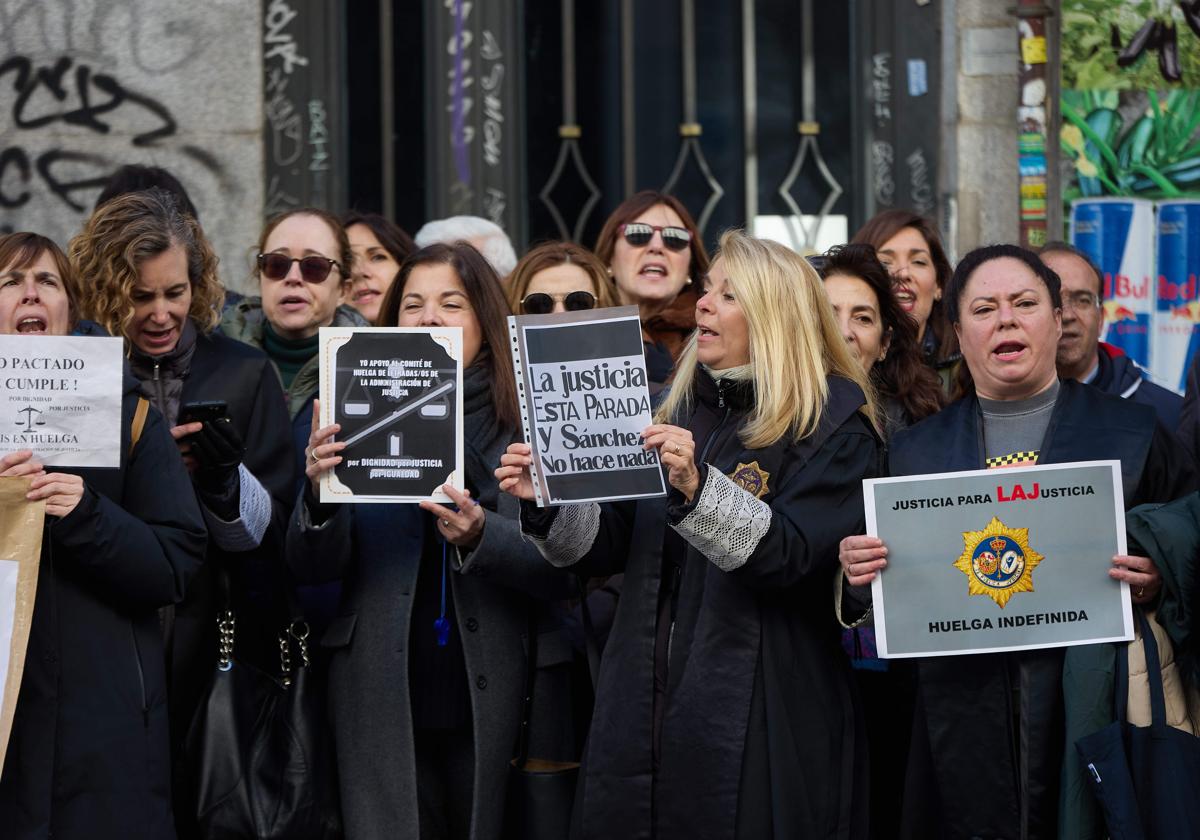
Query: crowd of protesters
[(708, 657)]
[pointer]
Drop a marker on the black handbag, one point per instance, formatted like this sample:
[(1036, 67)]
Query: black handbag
[(541, 792), (259, 755), (1145, 777)]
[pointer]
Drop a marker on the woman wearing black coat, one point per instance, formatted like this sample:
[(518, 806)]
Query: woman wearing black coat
[(724, 707), (424, 728), (150, 277), (88, 756)]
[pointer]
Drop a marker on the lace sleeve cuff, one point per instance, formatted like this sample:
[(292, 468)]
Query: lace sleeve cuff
[(571, 536), (726, 523)]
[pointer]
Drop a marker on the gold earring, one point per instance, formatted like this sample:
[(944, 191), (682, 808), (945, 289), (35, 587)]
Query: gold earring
[(687, 282)]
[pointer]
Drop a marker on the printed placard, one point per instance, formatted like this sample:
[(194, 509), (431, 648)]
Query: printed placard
[(581, 377), (60, 396), (995, 560), (397, 394)]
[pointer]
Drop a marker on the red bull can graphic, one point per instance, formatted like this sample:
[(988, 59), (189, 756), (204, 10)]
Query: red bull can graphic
[(1177, 307), (1118, 234)]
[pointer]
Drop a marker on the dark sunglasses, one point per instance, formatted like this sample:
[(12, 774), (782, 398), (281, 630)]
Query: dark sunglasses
[(540, 303), (313, 269), (638, 234)]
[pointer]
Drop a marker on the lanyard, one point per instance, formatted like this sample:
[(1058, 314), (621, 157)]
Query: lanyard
[(441, 624)]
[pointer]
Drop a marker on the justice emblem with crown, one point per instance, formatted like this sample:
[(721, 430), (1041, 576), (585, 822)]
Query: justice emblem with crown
[(998, 561)]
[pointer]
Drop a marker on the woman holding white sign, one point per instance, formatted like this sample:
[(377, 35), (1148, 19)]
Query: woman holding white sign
[(89, 756), (724, 706), (1015, 716), (428, 647)]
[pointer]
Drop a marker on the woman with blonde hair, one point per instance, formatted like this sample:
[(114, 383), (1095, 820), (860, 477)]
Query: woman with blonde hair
[(558, 277), (149, 276), (724, 706)]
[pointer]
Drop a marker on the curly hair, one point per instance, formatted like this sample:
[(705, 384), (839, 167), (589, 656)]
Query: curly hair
[(902, 375), (554, 253), (121, 235)]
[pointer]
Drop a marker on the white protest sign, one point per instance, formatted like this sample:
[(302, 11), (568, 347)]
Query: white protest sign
[(60, 396), (581, 378)]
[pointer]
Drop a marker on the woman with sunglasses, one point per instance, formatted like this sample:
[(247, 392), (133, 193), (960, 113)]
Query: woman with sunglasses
[(89, 754), (655, 257), (910, 248), (724, 707), (428, 653), (303, 265), (558, 277), (379, 247), (151, 278)]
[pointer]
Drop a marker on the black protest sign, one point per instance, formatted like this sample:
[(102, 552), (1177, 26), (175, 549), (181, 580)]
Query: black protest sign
[(397, 395), (584, 401)]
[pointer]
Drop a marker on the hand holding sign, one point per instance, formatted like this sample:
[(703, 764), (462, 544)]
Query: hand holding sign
[(462, 527), (513, 472), (1140, 573), (322, 453), (677, 451), (20, 463), (862, 557), (60, 491)]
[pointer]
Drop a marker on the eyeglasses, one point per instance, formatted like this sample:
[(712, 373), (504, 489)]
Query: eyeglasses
[(638, 234), (313, 269), (1080, 301), (540, 303)]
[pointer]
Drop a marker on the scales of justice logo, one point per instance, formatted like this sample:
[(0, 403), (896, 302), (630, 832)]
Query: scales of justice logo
[(998, 561)]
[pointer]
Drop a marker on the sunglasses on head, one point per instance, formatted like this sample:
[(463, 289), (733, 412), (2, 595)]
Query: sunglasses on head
[(313, 269), (638, 234), (540, 303)]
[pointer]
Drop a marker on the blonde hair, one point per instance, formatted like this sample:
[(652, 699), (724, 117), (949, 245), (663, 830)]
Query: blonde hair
[(795, 343), (121, 235)]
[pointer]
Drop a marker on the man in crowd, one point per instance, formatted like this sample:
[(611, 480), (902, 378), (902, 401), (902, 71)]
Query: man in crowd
[(1081, 354)]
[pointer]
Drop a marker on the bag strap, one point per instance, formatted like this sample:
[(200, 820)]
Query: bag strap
[(139, 422), (1158, 703)]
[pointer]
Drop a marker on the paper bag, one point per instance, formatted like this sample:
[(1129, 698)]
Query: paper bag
[(20, 550)]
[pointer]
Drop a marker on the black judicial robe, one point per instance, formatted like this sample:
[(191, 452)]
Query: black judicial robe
[(759, 727), (1003, 781)]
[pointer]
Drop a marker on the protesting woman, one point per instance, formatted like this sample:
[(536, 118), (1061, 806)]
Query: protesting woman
[(89, 756), (909, 247), (428, 660), (303, 267), (655, 256), (150, 276), (558, 277), (1005, 307), (724, 707)]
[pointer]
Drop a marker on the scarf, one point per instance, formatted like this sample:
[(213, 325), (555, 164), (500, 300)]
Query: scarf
[(484, 439), (160, 378)]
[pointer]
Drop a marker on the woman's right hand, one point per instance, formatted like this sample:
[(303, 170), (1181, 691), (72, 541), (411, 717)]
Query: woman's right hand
[(321, 454), (862, 558), (20, 463), (513, 472)]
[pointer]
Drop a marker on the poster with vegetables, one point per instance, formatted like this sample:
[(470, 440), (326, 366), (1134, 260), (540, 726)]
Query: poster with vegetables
[(1130, 99)]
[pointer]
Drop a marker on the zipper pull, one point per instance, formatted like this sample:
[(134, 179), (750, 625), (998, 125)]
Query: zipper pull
[(720, 395)]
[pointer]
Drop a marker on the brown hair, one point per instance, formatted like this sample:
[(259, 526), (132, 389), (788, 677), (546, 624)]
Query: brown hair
[(636, 205), (22, 249), (902, 375), (550, 254), (344, 256), (883, 226), (125, 232), (394, 239), (491, 311)]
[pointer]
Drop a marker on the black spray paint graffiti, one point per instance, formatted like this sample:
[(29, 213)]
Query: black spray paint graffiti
[(72, 94)]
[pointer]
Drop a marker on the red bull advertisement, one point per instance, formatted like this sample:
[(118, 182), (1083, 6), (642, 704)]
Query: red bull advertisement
[(1118, 234), (1177, 307)]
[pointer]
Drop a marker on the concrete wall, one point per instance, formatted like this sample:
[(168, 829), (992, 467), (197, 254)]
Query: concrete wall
[(986, 135), (89, 85)]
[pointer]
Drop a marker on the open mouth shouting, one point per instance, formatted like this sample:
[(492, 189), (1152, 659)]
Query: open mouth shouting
[(653, 270), (906, 297), (1009, 351), (31, 324)]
